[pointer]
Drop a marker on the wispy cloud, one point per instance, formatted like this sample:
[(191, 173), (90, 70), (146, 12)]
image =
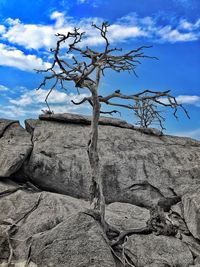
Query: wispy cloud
[(39, 38), (36, 36), (93, 3), (186, 25), (3, 88), (189, 99), (38, 97), (185, 99), (31, 102), (168, 34)]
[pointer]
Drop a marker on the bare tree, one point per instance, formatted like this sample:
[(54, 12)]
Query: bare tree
[(147, 113), (85, 69)]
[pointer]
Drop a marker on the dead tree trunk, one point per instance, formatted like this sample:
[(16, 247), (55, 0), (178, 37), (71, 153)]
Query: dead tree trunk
[(97, 199)]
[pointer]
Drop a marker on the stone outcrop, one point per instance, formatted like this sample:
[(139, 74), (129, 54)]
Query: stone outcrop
[(15, 146), (53, 226), (49, 229), (44, 188), (138, 168), (157, 251)]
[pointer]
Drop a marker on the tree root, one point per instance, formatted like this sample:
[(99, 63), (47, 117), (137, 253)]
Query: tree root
[(12, 228), (158, 224), (124, 234), (10, 249)]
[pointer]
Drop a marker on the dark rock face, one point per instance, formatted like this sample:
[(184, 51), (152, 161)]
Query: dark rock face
[(15, 146)]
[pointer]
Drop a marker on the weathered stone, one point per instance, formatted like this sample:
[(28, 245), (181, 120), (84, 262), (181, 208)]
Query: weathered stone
[(125, 216), (151, 250), (136, 168), (53, 225), (76, 242), (4, 124), (191, 207), (85, 120), (42, 211), (193, 244), (15, 146)]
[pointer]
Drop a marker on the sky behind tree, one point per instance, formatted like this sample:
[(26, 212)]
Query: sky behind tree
[(28, 28)]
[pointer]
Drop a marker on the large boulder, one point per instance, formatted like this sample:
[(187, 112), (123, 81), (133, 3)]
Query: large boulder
[(76, 242), (157, 251), (49, 229), (137, 166), (15, 146), (191, 209)]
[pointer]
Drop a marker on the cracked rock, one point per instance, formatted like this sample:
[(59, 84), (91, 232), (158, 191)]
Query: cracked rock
[(15, 146)]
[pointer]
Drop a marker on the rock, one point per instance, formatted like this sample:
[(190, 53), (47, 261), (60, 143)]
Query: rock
[(35, 212), (85, 120), (151, 250), (178, 209), (136, 168), (53, 225), (125, 216), (15, 146), (193, 244), (4, 124), (76, 242), (191, 204)]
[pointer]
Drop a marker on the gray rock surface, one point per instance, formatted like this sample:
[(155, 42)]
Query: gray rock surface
[(125, 216), (53, 226), (151, 250), (76, 242), (191, 208), (136, 167), (140, 168), (15, 146)]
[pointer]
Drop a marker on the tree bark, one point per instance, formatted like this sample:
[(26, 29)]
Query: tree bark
[(97, 199)]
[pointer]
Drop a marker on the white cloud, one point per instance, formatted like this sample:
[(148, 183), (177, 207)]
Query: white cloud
[(36, 36), (31, 103), (93, 3), (3, 88), (2, 29), (38, 97), (12, 22), (185, 99), (31, 36), (13, 57), (188, 99), (186, 25), (59, 17), (117, 32), (173, 35)]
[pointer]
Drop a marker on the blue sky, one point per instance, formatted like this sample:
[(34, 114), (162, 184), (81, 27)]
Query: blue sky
[(27, 30)]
